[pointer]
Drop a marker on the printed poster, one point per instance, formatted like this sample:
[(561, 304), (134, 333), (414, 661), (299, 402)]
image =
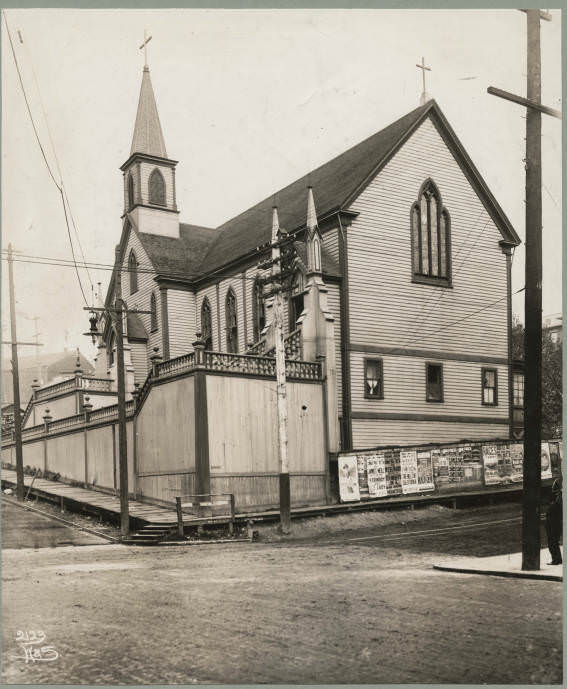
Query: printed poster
[(362, 476), (424, 471), (517, 461), (440, 467), (490, 460), (555, 457), (454, 464), (376, 472), (470, 458), (545, 461), (393, 472), (408, 466), (348, 479)]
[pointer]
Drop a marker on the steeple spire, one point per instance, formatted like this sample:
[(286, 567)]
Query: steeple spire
[(313, 236), (148, 137)]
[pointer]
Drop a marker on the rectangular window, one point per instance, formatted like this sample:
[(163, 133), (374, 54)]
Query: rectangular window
[(490, 387), (519, 390), (373, 379), (434, 382)]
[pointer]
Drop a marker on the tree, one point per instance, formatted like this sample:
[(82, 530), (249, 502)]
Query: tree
[(551, 379)]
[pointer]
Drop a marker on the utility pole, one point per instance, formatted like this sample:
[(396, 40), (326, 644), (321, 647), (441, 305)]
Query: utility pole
[(16, 377), (116, 315), (531, 543)]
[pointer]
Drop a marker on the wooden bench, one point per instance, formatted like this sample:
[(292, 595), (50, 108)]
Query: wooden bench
[(199, 504)]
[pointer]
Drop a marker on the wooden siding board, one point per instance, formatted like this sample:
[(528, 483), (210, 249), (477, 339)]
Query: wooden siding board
[(331, 243), (404, 387), (182, 322), (334, 303), (380, 245)]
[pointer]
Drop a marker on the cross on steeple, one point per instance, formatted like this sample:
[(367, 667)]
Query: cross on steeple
[(424, 96), (144, 45)]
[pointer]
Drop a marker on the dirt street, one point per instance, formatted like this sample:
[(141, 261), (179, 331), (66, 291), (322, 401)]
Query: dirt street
[(327, 610)]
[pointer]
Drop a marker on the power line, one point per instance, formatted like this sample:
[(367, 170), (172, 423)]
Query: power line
[(59, 186)]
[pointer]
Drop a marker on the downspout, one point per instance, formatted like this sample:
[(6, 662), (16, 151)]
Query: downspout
[(345, 341)]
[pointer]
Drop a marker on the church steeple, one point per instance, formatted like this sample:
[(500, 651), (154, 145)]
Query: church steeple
[(148, 136), (149, 175)]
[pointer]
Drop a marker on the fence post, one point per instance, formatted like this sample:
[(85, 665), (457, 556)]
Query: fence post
[(231, 525), (179, 516), (46, 419)]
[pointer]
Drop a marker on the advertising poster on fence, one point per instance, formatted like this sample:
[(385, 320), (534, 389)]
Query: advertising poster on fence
[(376, 471), (454, 466), (471, 463), (555, 457), (490, 460), (408, 466), (440, 467), (424, 471), (393, 472), (545, 461), (348, 479), (362, 477), (517, 462)]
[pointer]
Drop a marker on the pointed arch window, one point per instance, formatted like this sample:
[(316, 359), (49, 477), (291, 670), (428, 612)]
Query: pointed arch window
[(133, 272), (130, 191), (258, 309), (231, 322), (157, 188), (296, 299), (430, 232), (153, 313), (207, 324)]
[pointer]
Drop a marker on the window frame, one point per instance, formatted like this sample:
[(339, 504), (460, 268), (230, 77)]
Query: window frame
[(133, 274), (154, 325), (483, 371), (428, 278), (130, 191), (258, 310), (156, 172), (230, 292), (442, 383), (206, 307), (374, 360)]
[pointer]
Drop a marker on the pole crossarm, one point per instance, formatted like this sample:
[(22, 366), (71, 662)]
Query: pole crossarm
[(27, 344), (546, 16), (524, 101)]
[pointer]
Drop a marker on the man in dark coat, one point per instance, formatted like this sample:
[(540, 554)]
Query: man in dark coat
[(554, 523)]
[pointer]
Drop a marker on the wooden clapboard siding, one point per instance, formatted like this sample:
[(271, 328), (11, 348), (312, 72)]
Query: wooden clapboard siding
[(367, 434), (139, 353), (146, 169), (334, 303), (182, 322), (331, 242), (404, 387), (386, 308), (234, 281), (210, 293), (141, 298)]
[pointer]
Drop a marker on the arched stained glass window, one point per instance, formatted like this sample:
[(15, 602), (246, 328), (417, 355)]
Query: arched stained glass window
[(153, 313), (133, 272), (157, 188), (130, 191), (430, 227), (258, 310), (206, 324), (231, 322)]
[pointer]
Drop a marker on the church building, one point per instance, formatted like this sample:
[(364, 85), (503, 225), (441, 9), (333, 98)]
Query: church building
[(399, 241)]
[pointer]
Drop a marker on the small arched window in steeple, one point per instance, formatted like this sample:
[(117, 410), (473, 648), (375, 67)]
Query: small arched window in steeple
[(133, 272), (157, 188), (130, 191), (153, 313)]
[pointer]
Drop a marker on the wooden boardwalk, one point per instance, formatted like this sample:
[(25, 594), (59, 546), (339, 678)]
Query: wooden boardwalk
[(96, 500)]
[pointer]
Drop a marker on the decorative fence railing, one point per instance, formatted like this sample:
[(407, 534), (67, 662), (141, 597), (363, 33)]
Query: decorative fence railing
[(239, 363), (31, 432), (65, 423), (55, 389), (258, 348), (292, 346), (96, 384), (177, 365)]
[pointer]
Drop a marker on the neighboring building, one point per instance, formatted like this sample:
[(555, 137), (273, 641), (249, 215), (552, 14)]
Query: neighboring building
[(553, 325), (45, 368), (415, 268)]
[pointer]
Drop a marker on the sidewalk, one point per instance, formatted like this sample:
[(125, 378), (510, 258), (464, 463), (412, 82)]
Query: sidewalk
[(509, 565)]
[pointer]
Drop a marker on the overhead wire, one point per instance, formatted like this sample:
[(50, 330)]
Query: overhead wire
[(32, 120)]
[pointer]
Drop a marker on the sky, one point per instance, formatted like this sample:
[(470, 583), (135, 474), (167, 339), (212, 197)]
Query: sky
[(249, 100)]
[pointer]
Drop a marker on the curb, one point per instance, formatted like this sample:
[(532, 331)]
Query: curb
[(499, 573)]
